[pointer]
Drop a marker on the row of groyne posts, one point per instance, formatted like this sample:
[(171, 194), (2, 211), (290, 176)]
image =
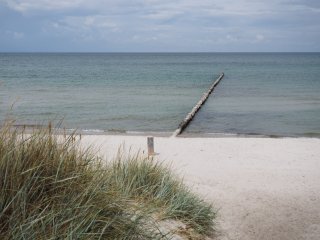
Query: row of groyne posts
[(186, 121)]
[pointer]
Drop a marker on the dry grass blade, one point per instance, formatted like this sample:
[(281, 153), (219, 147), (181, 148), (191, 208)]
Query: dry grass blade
[(50, 188)]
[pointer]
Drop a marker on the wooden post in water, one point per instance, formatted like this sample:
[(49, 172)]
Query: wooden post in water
[(150, 146), (196, 108)]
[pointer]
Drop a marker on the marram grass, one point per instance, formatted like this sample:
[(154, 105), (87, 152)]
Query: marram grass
[(50, 188)]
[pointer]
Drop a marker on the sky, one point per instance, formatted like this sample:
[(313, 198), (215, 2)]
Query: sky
[(159, 26)]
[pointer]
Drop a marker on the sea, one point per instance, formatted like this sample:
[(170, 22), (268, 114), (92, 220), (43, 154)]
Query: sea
[(261, 94)]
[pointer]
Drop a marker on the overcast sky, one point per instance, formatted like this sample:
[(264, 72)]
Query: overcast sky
[(159, 25)]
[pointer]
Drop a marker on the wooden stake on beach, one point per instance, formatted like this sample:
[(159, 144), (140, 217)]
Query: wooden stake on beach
[(196, 108), (150, 146)]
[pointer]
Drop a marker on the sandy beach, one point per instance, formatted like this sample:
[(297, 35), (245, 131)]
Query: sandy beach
[(263, 188)]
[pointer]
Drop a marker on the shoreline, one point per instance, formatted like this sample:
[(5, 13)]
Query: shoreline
[(30, 128)]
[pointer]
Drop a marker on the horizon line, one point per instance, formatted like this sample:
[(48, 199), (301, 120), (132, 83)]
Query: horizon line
[(159, 52)]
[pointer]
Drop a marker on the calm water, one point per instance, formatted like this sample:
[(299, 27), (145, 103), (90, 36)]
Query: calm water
[(262, 93)]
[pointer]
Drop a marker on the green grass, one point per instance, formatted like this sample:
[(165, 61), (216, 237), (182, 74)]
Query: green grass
[(50, 188)]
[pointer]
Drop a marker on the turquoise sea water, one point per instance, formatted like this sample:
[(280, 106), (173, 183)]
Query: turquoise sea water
[(261, 93)]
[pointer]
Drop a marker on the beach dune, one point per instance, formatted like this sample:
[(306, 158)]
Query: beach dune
[(263, 188)]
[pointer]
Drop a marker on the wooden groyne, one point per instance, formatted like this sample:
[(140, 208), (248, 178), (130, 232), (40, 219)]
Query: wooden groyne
[(196, 108)]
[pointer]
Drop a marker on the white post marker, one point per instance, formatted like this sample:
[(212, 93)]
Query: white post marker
[(150, 146)]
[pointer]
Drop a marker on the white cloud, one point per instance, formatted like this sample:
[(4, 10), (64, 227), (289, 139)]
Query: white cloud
[(86, 28), (166, 10), (18, 35), (232, 38), (34, 5), (178, 23), (111, 6), (87, 22), (260, 37), (163, 15), (15, 35), (240, 7), (139, 39)]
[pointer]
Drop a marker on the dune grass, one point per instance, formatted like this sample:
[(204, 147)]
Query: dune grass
[(51, 188)]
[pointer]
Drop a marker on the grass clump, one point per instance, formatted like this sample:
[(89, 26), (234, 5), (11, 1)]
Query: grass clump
[(154, 183), (50, 188)]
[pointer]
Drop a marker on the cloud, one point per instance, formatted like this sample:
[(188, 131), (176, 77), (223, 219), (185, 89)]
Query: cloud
[(43, 5), (89, 22), (232, 38), (18, 35), (259, 37), (164, 8), (91, 28), (163, 15), (14, 35), (162, 24)]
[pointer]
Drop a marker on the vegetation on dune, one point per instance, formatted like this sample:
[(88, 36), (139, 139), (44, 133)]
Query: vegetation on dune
[(50, 188)]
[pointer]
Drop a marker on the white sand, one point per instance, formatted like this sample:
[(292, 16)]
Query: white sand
[(264, 188)]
